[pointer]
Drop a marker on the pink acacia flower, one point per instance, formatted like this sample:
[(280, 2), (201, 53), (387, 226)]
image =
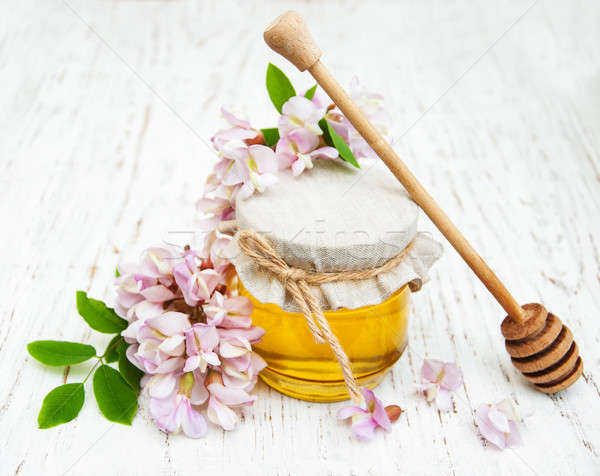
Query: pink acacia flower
[(498, 423), (201, 341), (231, 172), (214, 244), (224, 181), (232, 312), (158, 346), (439, 379), (299, 148), (242, 372), (239, 363), (255, 167), (222, 399), (175, 411), (373, 107), (299, 113), (246, 165), (226, 140), (215, 210), (195, 283), (218, 200), (148, 281), (365, 420)]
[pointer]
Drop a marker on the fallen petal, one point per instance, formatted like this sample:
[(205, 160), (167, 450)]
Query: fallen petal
[(431, 369), (487, 428), (453, 376), (443, 400)]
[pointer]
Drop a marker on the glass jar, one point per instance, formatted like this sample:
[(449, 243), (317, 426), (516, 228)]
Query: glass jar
[(373, 337)]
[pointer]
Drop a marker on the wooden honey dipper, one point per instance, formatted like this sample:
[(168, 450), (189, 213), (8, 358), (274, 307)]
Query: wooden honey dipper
[(540, 346)]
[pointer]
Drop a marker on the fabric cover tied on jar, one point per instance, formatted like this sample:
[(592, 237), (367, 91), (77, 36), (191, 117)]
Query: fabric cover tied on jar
[(334, 218)]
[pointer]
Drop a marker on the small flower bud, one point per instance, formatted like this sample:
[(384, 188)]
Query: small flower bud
[(213, 377), (393, 412), (186, 383), (259, 139)]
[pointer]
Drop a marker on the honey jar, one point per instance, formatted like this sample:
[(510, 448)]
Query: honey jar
[(356, 228)]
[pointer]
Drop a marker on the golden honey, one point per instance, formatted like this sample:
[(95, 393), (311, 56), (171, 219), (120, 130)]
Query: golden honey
[(373, 337)]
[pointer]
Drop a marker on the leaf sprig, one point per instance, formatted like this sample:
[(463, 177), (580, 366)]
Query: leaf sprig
[(280, 90), (116, 391)]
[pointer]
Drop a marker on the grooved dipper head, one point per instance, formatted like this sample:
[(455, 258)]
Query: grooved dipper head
[(542, 348)]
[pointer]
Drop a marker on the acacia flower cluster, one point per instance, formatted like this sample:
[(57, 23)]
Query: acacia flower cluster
[(247, 165), (191, 336)]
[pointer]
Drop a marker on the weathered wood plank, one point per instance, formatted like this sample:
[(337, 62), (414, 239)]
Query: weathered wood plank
[(100, 156)]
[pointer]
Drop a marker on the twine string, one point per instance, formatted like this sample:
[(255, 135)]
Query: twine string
[(297, 281)]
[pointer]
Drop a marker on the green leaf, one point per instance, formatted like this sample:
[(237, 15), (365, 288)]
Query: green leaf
[(130, 372), (61, 405), (279, 87), (111, 354), (333, 139), (117, 274), (98, 316), (311, 92), (271, 135), (116, 399), (57, 353)]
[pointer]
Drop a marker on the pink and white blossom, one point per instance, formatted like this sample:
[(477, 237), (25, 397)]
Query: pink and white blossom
[(497, 423), (226, 140), (195, 283), (201, 341), (233, 312), (214, 245), (175, 411), (299, 113), (372, 106), (147, 281), (222, 400), (367, 417), (298, 149), (242, 371), (214, 210), (439, 379), (158, 342), (255, 167)]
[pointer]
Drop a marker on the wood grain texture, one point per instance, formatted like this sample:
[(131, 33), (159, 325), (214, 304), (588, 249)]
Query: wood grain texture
[(101, 154)]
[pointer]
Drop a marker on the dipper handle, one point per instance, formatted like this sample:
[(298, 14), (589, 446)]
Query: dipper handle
[(288, 35)]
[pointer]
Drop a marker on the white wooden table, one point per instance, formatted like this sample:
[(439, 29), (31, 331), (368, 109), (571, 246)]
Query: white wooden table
[(104, 106)]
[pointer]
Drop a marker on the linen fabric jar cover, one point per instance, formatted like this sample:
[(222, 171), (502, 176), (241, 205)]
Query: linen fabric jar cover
[(334, 218)]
